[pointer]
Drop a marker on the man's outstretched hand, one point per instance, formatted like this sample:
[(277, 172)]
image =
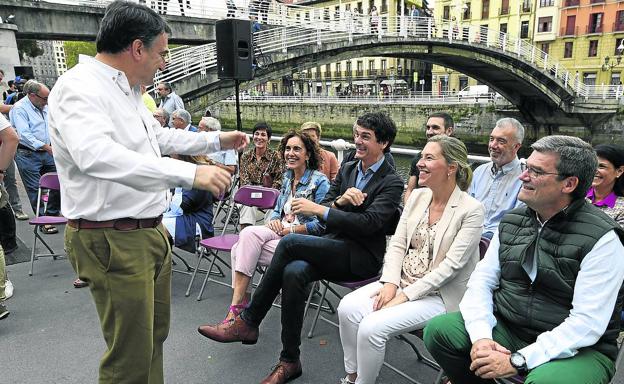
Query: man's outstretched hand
[(233, 140), (212, 178)]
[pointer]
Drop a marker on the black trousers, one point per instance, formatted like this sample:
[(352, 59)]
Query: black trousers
[(298, 261)]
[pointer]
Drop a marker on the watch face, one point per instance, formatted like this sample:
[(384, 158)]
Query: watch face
[(517, 360)]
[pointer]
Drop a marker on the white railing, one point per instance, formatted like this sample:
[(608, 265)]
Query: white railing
[(298, 22), (415, 98)]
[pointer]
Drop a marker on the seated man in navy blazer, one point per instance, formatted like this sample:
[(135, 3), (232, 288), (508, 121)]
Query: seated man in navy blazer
[(359, 209)]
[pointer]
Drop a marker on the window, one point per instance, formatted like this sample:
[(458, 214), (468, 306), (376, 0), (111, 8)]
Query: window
[(384, 6), (547, 3), (504, 10), (463, 82), (485, 9), (466, 14), (483, 34), (503, 27), (338, 70), (544, 24), (360, 68), (371, 67), (595, 23), (446, 12), (545, 47), (349, 69), (618, 43), (383, 65), (615, 79), (327, 70), (589, 78), (593, 48), (619, 21), (526, 6), (524, 29), (570, 25), (568, 49)]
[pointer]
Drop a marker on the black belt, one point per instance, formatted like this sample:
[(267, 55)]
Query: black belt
[(125, 224), (22, 146)]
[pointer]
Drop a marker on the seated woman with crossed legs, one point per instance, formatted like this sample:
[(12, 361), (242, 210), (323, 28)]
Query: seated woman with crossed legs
[(427, 264), (257, 243)]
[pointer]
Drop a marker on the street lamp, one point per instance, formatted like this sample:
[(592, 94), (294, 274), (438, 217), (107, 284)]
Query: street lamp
[(607, 65)]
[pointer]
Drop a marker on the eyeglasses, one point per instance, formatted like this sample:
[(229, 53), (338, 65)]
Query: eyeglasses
[(534, 173), (41, 97), (165, 55)]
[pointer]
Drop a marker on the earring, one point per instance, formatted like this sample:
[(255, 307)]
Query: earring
[(448, 175)]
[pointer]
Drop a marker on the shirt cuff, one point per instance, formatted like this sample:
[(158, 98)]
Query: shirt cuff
[(216, 142), (326, 214), (534, 355), (478, 330)]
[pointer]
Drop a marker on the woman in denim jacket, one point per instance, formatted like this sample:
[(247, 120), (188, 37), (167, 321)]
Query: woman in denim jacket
[(257, 243)]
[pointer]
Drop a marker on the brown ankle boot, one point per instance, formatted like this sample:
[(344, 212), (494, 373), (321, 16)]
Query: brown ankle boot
[(233, 331)]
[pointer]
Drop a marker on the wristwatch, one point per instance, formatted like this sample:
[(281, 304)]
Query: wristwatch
[(336, 202), (519, 362)]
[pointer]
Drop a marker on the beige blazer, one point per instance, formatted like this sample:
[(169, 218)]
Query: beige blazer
[(455, 246)]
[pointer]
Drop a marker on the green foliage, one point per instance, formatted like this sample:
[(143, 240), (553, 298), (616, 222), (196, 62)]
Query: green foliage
[(75, 48), (28, 48)]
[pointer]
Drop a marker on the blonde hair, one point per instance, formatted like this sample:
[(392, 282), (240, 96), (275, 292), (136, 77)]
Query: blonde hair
[(312, 125), (454, 151)]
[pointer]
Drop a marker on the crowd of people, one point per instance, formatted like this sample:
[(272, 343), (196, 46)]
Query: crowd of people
[(544, 301)]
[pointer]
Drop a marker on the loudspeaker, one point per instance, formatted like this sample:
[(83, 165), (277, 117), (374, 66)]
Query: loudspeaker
[(235, 54)]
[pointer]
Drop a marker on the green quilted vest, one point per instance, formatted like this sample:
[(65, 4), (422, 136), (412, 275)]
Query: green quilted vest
[(531, 309)]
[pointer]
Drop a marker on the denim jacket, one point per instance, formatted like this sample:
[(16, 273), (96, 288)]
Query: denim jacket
[(313, 186)]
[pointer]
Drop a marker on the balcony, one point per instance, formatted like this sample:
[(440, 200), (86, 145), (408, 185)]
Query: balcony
[(571, 3), (348, 73), (359, 73), (526, 6), (383, 72), (569, 31), (372, 72), (594, 29), (337, 73), (317, 75)]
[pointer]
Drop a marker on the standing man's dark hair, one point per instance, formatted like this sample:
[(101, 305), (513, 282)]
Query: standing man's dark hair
[(125, 22)]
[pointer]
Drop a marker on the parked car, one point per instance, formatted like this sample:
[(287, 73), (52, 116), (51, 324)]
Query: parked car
[(476, 92)]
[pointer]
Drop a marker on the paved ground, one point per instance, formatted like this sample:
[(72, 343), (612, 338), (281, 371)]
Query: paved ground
[(53, 335)]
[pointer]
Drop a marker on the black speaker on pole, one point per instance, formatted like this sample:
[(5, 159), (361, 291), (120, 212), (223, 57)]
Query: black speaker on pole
[(235, 53)]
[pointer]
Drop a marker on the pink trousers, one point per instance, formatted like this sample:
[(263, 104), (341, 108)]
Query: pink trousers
[(255, 246)]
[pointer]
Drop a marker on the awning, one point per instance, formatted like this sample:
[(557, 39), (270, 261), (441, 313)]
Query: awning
[(363, 82), (393, 82)]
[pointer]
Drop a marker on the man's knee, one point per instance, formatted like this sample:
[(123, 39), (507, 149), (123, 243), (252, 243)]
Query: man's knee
[(440, 327), (296, 274)]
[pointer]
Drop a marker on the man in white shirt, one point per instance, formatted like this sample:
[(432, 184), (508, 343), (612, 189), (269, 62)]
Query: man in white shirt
[(114, 180), (545, 301), (496, 183)]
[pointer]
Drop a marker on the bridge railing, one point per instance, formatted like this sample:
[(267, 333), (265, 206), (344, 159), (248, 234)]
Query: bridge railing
[(301, 25), (417, 97)]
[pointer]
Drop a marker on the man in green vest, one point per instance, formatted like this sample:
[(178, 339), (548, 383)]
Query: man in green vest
[(545, 301)]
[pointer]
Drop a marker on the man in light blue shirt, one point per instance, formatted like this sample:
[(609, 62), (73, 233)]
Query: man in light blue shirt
[(29, 116), (496, 184), (169, 100), (227, 159)]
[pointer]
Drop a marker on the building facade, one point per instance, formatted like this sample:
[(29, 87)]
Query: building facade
[(362, 76), (51, 64)]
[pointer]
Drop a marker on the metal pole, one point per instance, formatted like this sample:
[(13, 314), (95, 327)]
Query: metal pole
[(239, 124)]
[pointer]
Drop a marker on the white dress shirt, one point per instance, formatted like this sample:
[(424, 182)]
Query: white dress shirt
[(107, 147), (595, 293)]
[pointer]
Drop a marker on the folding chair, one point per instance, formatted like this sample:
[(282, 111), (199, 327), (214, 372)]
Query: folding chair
[(47, 181), (483, 246), (250, 195), (225, 202), (352, 285)]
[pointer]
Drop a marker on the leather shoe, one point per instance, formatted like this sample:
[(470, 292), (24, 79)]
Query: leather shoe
[(284, 372), (230, 332)]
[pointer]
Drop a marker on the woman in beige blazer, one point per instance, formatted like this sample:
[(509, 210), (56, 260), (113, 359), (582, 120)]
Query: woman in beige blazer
[(426, 267)]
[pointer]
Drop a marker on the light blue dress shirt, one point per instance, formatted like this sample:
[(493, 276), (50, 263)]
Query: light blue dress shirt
[(497, 189), (30, 123)]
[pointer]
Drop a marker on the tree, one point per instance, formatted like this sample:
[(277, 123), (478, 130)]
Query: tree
[(75, 48), (28, 48)]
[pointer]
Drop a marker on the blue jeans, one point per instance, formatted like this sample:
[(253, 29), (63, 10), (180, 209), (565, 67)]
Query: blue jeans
[(298, 261), (31, 165)]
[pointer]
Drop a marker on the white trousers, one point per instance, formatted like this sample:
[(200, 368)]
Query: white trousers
[(364, 332)]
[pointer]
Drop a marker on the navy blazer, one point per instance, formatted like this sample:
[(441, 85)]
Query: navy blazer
[(197, 208), (365, 227)]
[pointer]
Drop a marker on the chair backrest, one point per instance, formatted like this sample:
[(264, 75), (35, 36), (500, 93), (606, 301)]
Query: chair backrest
[(257, 196), (484, 243), (50, 181)]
